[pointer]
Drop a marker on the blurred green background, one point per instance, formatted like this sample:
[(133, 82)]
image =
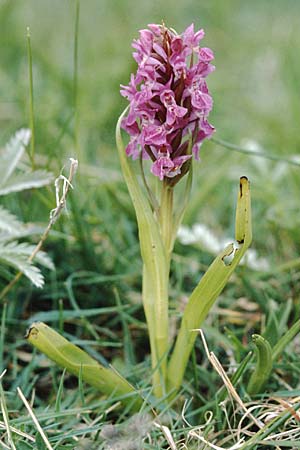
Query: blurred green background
[(256, 104), (255, 86)]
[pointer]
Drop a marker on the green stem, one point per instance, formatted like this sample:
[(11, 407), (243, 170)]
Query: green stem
[(31, 109), (155, 301), (157, 308), (166, 217), (155, 259), (177, 220), (148, 303), (75, 78), (246, 151)]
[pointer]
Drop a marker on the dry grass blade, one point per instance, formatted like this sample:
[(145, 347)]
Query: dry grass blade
[(5, 419), (18, 432), (167, 433), (236, 446), (34, 419), (289, 406), (229, 386)]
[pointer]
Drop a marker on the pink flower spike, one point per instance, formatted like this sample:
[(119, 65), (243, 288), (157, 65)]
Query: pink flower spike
[(169, 99)]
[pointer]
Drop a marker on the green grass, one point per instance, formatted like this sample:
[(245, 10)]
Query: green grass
[(93, 297)]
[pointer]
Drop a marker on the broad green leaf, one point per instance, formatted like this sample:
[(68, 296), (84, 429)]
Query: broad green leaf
[(209, 288), (78, 362)]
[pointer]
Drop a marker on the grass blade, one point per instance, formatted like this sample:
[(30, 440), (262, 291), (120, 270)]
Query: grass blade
[(285, 340), (31, 108)]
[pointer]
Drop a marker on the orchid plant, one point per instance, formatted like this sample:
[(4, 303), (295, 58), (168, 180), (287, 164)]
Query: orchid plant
[(167, 122)]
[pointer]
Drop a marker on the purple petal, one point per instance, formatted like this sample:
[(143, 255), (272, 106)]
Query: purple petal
[(206, 54), (160, 51), (162, 166), (154, 135)]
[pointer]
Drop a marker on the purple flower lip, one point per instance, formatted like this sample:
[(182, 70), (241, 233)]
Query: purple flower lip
[(169, 101)]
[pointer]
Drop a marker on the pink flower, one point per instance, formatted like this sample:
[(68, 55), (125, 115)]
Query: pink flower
[(174, 111), (130, 90), (192, 39), (164, 166), (155, 135), (169, 99)]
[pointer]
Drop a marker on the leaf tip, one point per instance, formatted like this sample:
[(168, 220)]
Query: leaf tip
[(32, 331)]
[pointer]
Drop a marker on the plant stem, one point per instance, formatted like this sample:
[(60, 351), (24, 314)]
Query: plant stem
[(157, 307), (31, 109), (155, 273), (155, 301), (166, 217), (75, 81), (158, 368)]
